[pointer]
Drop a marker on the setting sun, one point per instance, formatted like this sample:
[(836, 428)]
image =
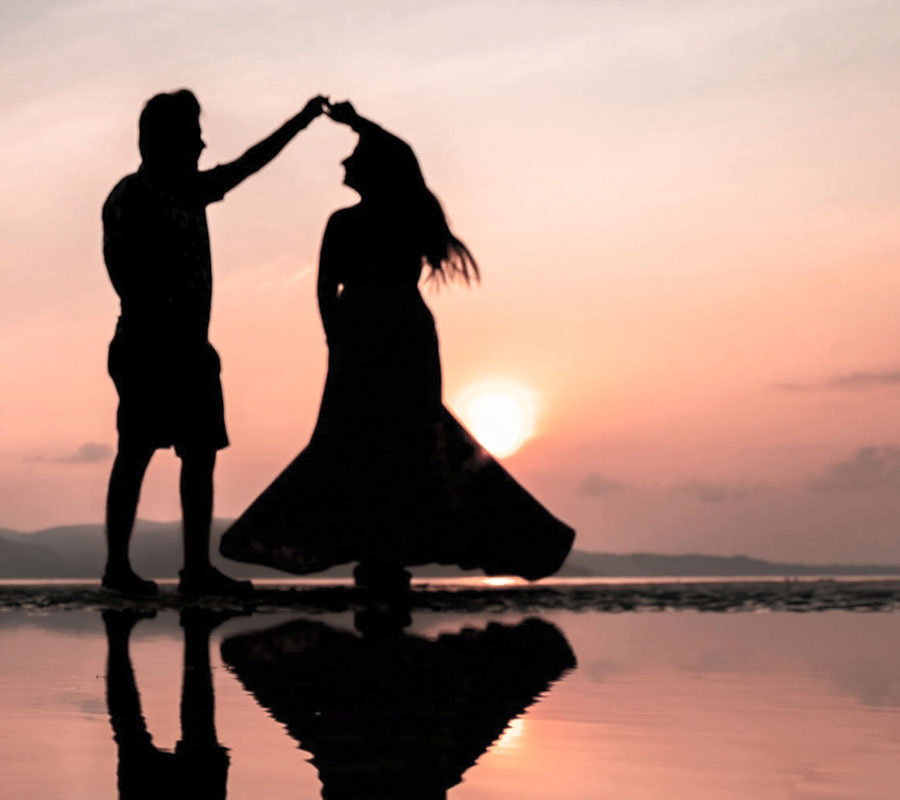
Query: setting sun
[(500, 415)]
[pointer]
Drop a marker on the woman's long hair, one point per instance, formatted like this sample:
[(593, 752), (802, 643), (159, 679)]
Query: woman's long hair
[(393, 172)]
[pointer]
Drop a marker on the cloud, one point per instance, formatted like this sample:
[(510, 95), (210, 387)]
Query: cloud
[(847, 382), (868, 468), (709, 492), (598, 485), (88, 453)]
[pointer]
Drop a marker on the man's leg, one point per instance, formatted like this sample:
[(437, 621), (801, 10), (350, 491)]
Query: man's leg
[(197, 467), (121, 507), (199, 576)]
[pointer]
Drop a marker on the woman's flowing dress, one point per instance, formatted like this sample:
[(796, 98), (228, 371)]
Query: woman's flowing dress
[(389, 475)]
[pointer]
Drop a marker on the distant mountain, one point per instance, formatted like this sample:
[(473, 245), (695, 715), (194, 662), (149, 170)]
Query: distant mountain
[(21, 560), (79, 551), (651, 565)]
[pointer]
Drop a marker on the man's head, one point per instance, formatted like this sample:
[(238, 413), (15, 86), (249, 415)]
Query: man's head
[(169, 132)]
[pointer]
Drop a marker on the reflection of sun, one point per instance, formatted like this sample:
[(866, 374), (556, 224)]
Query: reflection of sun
[(513, 731), (500, 415), (500, 582)]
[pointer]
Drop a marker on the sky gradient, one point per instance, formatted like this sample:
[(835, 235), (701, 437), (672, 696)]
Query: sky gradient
[(686, 214)]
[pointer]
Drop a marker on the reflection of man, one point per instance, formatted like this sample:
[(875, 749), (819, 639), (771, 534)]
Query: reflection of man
[(198, 769), (156, 247)]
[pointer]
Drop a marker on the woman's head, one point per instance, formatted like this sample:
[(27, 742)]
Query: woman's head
[(386, 173), (383, 167)]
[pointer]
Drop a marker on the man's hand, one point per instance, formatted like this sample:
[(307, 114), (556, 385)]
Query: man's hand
[(313, 108)]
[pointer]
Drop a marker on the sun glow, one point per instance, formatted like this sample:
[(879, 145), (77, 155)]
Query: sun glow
[(500, 582), (514, 730), (500, 415)]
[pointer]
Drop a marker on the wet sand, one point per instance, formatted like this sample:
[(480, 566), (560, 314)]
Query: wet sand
[(724, 596)]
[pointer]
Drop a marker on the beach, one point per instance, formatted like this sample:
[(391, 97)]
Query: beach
[(579, 689)]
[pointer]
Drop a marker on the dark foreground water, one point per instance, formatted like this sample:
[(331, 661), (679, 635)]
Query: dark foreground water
[(479, 700)]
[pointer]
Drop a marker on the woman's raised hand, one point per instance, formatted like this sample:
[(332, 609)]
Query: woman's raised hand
[(342, 112)]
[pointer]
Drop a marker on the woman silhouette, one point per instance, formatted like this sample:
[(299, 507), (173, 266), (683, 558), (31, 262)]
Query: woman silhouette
[(390, 479)]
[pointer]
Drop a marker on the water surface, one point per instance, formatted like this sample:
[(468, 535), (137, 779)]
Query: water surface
[(675, 704)]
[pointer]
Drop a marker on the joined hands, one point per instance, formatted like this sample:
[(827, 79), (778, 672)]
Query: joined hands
[(342, 112), (314, 107)]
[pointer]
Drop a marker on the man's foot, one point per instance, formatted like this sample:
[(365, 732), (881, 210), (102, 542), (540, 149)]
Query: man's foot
[(212, 581), (128, 583)]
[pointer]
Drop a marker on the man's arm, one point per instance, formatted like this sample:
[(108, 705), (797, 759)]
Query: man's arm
[(225, 177)]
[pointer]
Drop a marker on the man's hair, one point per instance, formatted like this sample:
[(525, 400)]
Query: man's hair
[(164, 114)]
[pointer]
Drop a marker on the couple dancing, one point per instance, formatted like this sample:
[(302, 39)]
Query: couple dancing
[(389, 479)]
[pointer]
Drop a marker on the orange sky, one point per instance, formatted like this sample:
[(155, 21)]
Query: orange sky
[(686, 214)]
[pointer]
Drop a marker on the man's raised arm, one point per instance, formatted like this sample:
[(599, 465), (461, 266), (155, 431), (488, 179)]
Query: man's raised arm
[(225, 177)]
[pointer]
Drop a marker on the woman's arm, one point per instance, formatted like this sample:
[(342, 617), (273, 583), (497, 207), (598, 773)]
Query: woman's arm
[(331, 268), (346, 114)]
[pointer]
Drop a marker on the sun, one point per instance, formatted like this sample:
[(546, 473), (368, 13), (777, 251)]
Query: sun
[(499, 414)]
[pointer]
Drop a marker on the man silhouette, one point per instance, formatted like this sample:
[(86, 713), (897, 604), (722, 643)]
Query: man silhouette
[(156, 248)]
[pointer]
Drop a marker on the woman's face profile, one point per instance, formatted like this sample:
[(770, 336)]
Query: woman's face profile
[(353, 172)]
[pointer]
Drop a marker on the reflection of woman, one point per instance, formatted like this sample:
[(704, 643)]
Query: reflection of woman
[(390, 478), (390, 715)]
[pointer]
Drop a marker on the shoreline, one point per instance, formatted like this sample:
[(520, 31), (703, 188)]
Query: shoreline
[(683, 594)]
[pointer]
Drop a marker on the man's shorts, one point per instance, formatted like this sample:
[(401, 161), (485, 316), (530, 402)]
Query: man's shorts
[(168, 396)]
